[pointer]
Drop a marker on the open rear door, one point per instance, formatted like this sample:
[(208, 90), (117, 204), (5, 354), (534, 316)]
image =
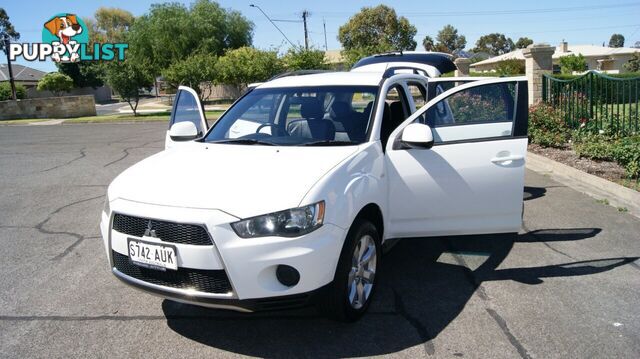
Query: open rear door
[(186, 107), (471, 181)]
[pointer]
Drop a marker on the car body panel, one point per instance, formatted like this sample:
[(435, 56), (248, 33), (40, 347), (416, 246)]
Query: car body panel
[(244, 181)]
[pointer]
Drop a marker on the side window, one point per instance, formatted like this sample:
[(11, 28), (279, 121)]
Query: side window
[(396, 110), (418, 93), (186, 109), (477, 112)]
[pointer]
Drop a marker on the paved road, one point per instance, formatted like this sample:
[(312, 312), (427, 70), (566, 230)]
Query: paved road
[(567, 286)]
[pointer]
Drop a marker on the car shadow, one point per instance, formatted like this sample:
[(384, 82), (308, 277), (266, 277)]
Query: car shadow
[(423, 287), (533, 192)]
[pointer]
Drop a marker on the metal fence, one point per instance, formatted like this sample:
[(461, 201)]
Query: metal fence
[(605, 102)]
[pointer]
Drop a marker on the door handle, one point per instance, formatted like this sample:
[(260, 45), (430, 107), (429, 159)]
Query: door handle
[(507, 158)]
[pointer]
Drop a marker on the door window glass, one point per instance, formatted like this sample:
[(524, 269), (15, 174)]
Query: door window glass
[(477, 112), (418, 93), (187, 109)]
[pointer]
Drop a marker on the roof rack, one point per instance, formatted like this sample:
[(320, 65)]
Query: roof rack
[(390, 53), (298, 73), (391, 70)]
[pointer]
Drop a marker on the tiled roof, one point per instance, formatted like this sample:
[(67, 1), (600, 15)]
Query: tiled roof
[(585, 50), (20, 73)]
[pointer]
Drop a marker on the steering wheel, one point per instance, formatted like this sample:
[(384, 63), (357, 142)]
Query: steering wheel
[(268, 124)]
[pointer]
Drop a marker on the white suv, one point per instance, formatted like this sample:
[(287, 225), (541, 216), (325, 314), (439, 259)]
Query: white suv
[(288, 198)]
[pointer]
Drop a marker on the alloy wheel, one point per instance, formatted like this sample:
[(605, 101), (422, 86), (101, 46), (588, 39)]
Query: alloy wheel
[(363, 271)]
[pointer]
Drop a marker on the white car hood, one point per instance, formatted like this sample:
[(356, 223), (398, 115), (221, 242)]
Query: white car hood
[(241, 180)]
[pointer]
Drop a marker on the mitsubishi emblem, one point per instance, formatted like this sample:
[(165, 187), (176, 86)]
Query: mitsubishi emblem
[(150, 232)]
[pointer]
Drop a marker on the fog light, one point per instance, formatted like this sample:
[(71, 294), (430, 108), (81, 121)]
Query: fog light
[(287, 275)]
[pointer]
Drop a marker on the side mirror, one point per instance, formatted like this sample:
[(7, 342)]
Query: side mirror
[(183, 131), (417, 135)]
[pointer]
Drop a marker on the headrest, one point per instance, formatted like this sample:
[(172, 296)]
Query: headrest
[(396, 110), (367, 110), (340, 109), (311, 108)]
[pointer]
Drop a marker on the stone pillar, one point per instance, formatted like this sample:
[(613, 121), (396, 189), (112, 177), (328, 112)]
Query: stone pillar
[(462, 66), (538, 61)]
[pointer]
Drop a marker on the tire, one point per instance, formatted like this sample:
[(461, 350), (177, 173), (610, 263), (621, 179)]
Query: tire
[(348, 296)]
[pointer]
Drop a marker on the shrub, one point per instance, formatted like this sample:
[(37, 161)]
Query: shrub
[(623, 150), (56, 82), (510, 67), (5, 91), (571, 63), (547, 126)]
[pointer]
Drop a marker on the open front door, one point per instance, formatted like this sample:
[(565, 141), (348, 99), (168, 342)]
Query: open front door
[(471, 181), (186, 108)]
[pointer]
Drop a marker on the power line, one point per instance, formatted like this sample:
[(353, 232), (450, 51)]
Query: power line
[(273, 23), (494, 12)]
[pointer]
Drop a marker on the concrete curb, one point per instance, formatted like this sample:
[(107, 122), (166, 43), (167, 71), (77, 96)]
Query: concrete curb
[(594, 186)]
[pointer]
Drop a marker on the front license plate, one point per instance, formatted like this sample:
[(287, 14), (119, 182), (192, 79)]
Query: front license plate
[(152, 255)]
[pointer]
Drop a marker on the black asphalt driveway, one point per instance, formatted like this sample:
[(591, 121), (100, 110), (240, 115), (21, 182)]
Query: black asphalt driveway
[(568, 285)]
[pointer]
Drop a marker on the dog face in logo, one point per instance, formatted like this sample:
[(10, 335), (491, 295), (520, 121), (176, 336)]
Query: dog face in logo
[(64, 27)]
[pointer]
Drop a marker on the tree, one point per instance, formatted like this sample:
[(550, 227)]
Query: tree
[(375, 30), (616, 40), (245, 65), (6, 29), (510, 67), (55, 82), (636, 45), (428, 43), (633, 65), (196, 71), (494, 44), (571, 63), (5, 91), (449, 41), (112, 24), (171, 32), (83, 73), (298, 58), (523, 42), (127, 78)]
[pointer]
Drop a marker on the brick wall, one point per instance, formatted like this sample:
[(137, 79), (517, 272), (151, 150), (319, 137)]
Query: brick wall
[(49, 107)]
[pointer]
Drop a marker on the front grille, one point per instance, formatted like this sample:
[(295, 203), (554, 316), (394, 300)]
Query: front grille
[(209, 281), (165, 231)]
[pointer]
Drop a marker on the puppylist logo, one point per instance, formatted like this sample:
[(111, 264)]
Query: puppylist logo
[(65, 38)]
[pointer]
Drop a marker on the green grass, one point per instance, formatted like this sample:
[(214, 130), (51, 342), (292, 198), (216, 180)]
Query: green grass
[(142, 117)]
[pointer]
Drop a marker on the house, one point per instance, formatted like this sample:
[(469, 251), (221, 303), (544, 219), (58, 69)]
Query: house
[(607, 59), (29, 77), (22, 75), (334, 59)]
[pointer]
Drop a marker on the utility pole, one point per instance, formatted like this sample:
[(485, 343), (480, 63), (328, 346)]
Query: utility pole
[(305, 13), (324, 25), (7, 42)]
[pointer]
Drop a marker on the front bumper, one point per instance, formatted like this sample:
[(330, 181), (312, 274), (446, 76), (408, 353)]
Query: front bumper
[(249, 264)]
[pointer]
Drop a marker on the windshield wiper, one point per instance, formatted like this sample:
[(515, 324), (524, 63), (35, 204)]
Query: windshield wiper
[(245, 141), (329, 143)]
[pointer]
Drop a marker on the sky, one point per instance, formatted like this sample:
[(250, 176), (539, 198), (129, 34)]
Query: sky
[(550, 21)]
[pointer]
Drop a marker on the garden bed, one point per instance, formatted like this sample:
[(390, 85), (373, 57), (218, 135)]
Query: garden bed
[(608, 170)]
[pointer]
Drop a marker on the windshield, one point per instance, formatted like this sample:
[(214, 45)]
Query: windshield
[(298, 116)]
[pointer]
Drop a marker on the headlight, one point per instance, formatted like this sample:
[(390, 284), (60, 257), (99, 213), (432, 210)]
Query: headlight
[(106, 208), (289, 223)]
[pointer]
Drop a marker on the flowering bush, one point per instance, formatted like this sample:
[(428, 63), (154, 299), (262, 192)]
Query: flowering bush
[(547, 126)]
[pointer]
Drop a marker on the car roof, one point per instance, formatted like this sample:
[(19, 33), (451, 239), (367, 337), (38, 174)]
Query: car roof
[(326, 79)]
